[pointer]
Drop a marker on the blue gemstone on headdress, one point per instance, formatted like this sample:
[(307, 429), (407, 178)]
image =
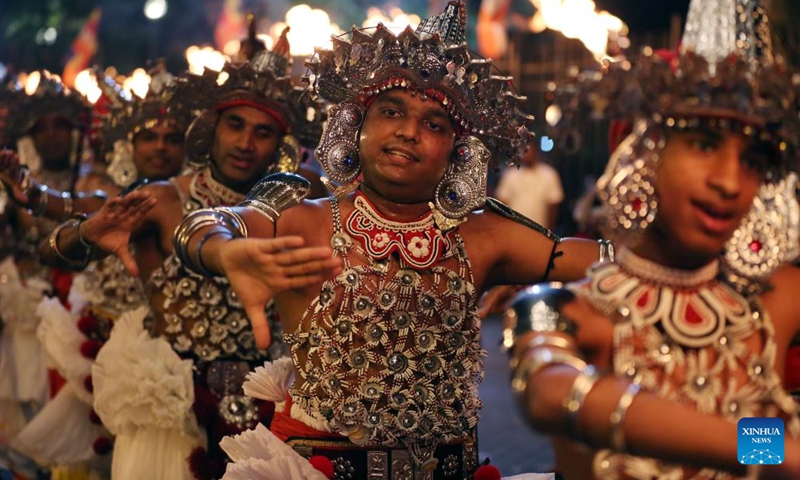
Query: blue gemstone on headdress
[(452, 195), (348, 161), (424, 73)]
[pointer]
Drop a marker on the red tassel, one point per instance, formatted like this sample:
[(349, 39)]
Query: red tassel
[(487, 472), (94, 417), (87, 325), (90, 348), (323, 464), (792, 375), (88, 384), (198, 463), (102, 445), (62, 283), (205, 405)]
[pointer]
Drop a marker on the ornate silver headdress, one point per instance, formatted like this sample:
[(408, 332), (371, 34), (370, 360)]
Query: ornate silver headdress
[(264, 83), (51, 98), (725, 75), (130, 114), (433, 61)]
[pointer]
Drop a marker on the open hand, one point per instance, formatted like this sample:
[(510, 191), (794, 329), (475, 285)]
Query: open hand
[(259, 269), (110, 228)]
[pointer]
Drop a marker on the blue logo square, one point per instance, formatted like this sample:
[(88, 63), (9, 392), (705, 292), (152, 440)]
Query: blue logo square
[(760, 441)]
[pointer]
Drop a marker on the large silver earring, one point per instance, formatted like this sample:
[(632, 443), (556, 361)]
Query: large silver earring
[(338, 147), (28, 155), (769, 234), (463, 187), (627, 187), (121, 169), (199, 139)]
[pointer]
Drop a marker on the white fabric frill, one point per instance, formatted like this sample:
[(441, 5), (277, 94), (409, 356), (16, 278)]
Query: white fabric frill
[(271, 382), (84, 292), (59, 335), (23, 362), (144, 394), (69, 411), (260, 454), (61, 434)]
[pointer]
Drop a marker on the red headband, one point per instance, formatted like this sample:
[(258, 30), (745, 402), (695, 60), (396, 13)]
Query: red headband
[(284, 126), (432, 93)]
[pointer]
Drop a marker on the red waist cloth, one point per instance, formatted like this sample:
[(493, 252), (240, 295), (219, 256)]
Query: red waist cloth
[(286, 427)]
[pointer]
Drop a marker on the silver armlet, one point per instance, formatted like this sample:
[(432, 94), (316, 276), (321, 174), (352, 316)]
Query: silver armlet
[(276, 193), (538, 309), (224, 218), (618, 415), (573, 403), (606, 251)]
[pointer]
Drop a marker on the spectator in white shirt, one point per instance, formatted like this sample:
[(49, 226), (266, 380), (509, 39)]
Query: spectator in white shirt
[(533, 189)]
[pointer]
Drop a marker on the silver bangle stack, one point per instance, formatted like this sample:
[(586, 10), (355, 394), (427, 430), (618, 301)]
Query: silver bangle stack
[(538, 358), (225, 222), (276, 193), (52, 241)]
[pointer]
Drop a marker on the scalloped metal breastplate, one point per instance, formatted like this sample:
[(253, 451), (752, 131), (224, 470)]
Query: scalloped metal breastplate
[(389, 354), (201, 316), (688, 345)]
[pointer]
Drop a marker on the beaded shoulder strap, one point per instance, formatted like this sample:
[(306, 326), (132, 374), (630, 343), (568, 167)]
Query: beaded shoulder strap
[(186, 203), (336, 214)]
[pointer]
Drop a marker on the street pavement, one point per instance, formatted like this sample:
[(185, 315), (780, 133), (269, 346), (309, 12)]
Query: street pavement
[(504, 436)]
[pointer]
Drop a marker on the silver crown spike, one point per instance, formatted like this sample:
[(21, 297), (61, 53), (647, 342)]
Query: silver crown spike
[(450, 25), (717, 28)]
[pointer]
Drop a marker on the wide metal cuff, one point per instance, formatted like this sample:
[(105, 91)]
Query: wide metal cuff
[(199, 219), (538, 309), (276, 193)]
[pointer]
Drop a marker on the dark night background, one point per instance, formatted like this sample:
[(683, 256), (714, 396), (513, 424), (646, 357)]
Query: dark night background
[(127, 38)]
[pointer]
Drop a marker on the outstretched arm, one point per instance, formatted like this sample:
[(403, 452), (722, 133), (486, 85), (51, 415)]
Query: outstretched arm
[(40, 199), (529, 253), (72, 243), (240, 243), (565, 395)]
